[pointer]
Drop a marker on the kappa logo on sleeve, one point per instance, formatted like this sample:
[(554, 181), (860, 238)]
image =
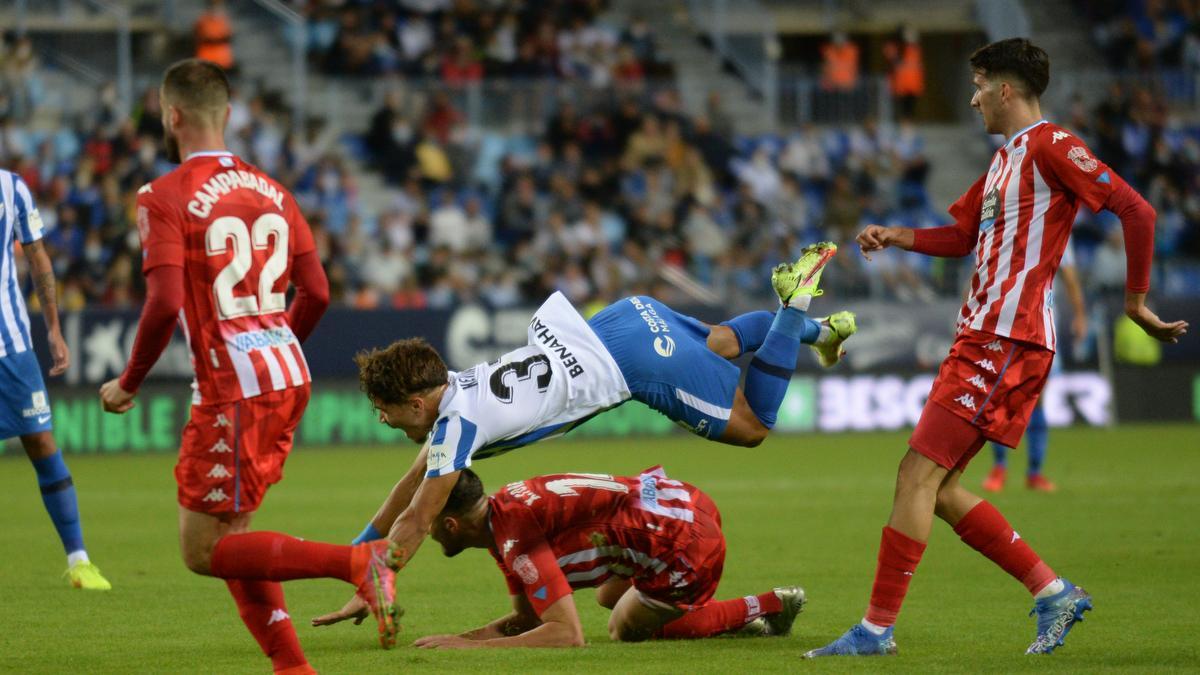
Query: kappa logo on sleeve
[(1058, 136)]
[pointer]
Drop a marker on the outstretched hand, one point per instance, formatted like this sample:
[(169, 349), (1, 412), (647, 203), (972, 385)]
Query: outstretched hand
[(355, 609), (445, 642), (1156, 327)]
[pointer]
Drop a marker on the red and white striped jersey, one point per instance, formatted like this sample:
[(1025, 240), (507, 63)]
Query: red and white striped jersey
[(575, 530), (1024, 207), (234, 231)]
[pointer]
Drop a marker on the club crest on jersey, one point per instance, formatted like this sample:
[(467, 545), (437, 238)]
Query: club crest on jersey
[(1079, 155), (664, 345), (1058, 136), (525, 569)]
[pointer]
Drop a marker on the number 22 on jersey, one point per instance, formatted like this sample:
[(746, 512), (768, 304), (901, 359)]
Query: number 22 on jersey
[(230, 231)]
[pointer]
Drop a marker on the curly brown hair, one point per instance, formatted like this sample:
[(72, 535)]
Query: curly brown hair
[(403, 368)]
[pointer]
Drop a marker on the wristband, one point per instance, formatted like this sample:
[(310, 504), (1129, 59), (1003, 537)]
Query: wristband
[(369, 533)]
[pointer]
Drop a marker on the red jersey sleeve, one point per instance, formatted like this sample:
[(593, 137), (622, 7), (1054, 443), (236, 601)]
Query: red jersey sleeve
[(957, 240), (529, 564), (1066, 162), (161, 231), (302, 237)]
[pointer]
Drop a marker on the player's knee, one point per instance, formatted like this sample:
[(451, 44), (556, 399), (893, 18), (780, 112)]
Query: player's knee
[(620, 631), (197, 561), (942, 506), (197, 555)]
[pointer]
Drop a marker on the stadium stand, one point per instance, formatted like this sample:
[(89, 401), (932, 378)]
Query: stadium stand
[(613, 187)]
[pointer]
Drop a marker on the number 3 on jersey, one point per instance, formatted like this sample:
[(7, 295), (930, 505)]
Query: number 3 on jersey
[(230, 229), (520, 371)]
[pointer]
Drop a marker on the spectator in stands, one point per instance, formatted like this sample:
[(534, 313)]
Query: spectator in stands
[(460, 67), (391, 138), (213, 33), (839, 63), (906, 69)]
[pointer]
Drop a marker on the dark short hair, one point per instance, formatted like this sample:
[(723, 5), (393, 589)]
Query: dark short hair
[(466, 493), (197, 87), (1017, 57), (403, 368)]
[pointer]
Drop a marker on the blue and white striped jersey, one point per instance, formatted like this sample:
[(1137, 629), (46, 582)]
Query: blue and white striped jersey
[(559, 380), (19, 221)]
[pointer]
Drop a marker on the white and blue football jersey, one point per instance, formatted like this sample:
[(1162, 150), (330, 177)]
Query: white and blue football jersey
[(559, 380), (19, 221)]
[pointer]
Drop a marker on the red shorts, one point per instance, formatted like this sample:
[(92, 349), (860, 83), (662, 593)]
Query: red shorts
[(985, 390), (232, 452), (690, 578)]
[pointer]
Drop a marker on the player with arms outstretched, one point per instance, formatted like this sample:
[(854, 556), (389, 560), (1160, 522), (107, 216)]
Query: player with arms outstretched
[(220, 243), (24, 405), (572, 369), (1016, 219), (650, 545)]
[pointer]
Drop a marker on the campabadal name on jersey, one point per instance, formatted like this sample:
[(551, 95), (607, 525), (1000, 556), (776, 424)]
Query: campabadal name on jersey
[(223, 183)]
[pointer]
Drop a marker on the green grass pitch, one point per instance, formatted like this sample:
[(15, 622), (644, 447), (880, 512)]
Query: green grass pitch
[(799, 509)]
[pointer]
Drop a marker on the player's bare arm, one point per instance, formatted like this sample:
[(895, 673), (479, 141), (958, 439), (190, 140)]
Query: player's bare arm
[(1136, 309), (520, 620), (877, 237), (45, 286), (1074, 288), (402, 493), (410, 529), (560, 627)]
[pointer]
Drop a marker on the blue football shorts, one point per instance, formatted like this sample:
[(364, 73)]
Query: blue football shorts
[(667, 364), (24, 405)]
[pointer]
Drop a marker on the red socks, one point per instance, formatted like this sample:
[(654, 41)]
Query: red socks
[(271, 556), (898, 559), (719, 617), (985, 530), (261, 605)]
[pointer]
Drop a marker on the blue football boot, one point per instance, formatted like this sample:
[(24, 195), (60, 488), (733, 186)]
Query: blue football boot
[(858, 641), (1056, 615)]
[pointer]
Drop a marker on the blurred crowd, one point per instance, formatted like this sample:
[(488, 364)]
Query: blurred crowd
[(1134, 131), (625, 193), (460, 42), (1146, 34)]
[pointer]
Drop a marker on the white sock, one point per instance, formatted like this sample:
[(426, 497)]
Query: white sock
[(79, 556), (800, 302), (875, 630), (1053, 588), (824, 336)]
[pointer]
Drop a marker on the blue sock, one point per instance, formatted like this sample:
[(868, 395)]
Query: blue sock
[(774, 363), (1037, 436), (58, 494), (751, 329), (1000, 452)]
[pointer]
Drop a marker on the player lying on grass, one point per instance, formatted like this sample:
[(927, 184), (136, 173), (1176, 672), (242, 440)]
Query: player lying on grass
[(573, 369), (652, 547)]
